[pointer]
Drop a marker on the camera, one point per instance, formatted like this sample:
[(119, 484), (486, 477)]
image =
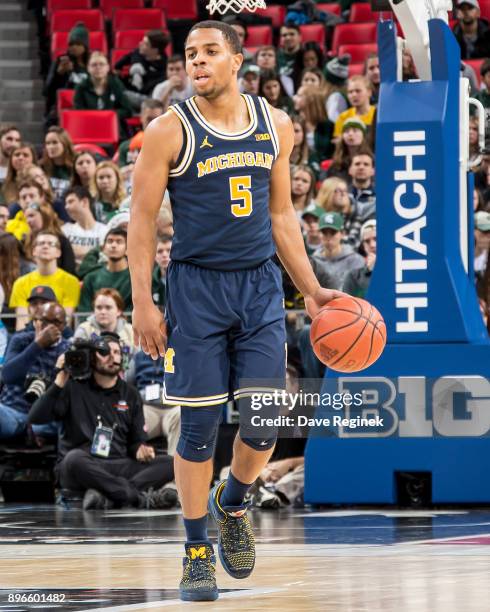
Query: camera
[(78, 358), (35, 385)]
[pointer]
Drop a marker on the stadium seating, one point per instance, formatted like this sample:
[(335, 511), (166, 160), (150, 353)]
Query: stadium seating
[(116, 55), (138, 19), (358, 53), (352, 34), (485, 9), (357, 68), (64, 100), (361, 12), (56, 5), (314, 32), (329, 7), (107, 6), (178, 9), (59, 42), (64, 20), (259, 35), (275, 12), (130, 39), (91, 126)]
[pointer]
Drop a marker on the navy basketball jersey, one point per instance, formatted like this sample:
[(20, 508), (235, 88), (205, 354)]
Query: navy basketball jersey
[(220, 190)]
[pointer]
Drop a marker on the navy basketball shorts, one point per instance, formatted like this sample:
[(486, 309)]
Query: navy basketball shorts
[(223, 328)]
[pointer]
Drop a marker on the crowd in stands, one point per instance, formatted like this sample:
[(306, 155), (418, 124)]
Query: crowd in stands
[(64, 208)]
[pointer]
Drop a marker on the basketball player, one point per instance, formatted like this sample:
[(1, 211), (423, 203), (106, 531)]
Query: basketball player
[(224, 158)]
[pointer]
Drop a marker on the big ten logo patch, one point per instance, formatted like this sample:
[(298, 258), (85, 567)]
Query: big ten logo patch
[(168, 364)]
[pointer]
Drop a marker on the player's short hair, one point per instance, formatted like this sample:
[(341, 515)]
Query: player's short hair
[(229, 34)]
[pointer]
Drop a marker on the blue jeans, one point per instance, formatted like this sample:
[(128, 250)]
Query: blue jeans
[(14, 423)]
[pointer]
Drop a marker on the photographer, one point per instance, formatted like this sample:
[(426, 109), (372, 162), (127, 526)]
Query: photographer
[(102, 448), (28, 368)]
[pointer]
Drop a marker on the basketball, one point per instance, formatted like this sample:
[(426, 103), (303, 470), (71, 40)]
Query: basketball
[(348, 335)]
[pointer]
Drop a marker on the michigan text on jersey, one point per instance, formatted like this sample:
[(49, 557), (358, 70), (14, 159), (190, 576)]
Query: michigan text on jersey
[(234, 160)]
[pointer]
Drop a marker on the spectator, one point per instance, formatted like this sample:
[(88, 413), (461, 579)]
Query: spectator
[(484, 94), (4, 217), (58, 158), (10, 138), (352, 142), (67, 70), (147, 67), (336, 74), (40, 296), (372, 72), (85, 233), (301, 153), (160, 419), (471, 32), (250, 80), (30, 355), (362, 189), (311, 56), (102, 448), (46, 250), (84, 167), (482, 243), (409, 70), (12, 265), (108, 316), (333, 196), (162, 259), (302, 187), (356, 282), (359, 94), (310, 104), (114, 274), (474, 140), (30, 192), (150, 109), (102, 90), (41, 217), (95, 258), (241, 29), (21, 156), (334, 259), (290, 49), (109, 190), (177, 87), (310, 218), (271, 88), (266, 59), (312, 77), (37, 174)]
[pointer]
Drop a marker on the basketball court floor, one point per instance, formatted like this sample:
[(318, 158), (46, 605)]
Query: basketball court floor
[(327, 560)]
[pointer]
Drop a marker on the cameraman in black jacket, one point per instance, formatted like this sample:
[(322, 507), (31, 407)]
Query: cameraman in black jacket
[(102, 447)]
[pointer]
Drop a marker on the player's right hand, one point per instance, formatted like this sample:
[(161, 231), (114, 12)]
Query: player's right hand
[(150, 331)]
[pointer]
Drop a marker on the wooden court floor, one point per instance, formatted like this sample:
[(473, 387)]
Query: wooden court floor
[(333, 561)]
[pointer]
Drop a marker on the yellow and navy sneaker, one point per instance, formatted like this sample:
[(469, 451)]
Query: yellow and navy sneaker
[(198, 582), (236, 542)]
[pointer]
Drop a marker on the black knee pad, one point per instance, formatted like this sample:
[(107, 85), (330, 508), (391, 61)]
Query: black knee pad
[(198, 432)]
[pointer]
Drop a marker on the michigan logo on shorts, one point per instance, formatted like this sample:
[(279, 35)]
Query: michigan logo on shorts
[(168, 364)]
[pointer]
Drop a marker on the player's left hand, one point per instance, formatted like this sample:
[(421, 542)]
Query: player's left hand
[(315, 302)]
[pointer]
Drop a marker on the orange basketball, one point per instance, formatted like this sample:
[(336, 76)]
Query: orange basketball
[(348, 335)]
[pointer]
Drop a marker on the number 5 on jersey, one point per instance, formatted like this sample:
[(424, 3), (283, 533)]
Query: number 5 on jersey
[(240, 187)]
